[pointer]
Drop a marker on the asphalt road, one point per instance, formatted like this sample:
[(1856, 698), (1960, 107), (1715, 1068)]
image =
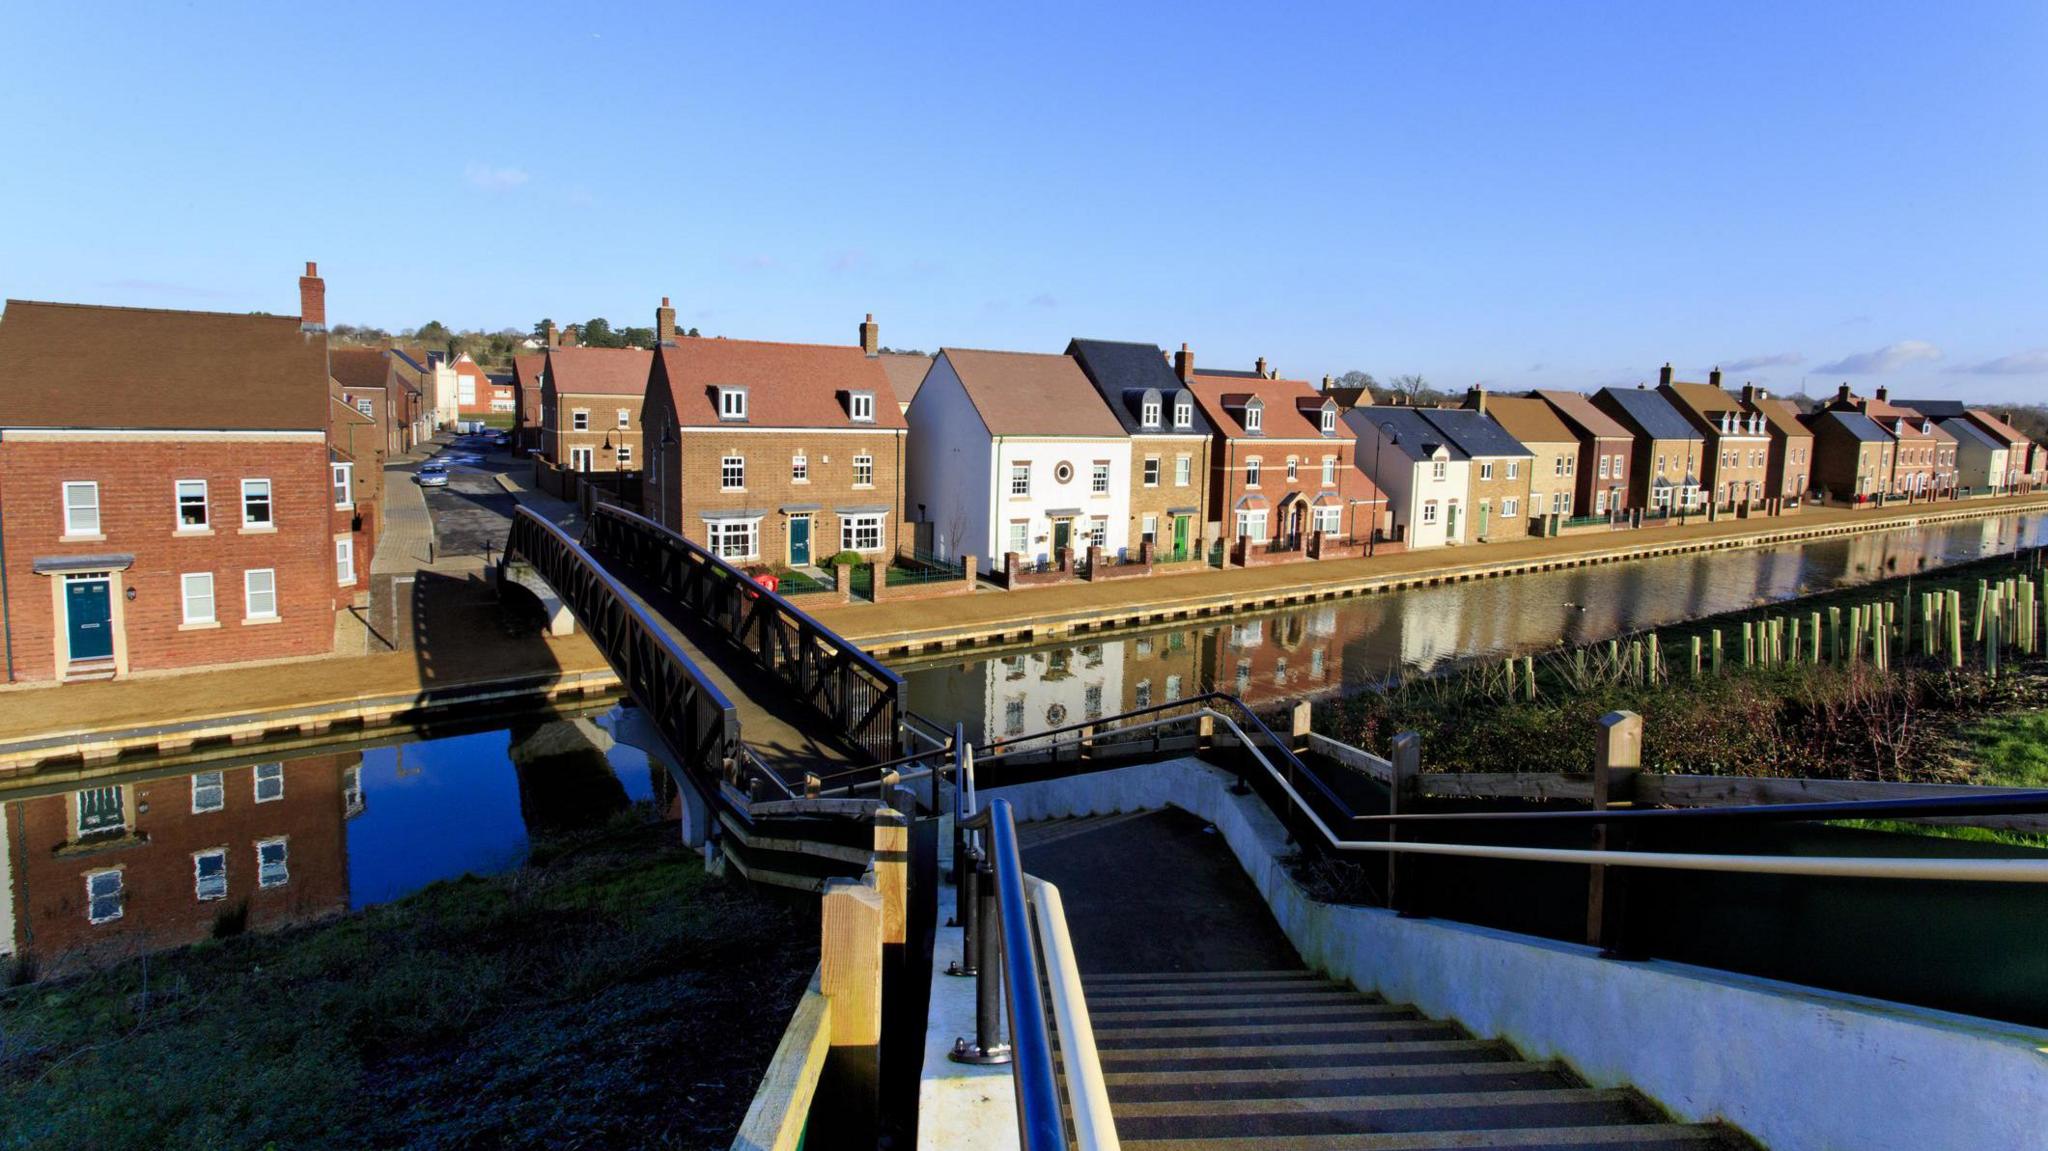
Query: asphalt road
[(472, 514)]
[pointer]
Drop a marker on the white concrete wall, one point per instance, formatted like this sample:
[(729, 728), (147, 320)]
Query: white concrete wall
[(948, 465), (1044, 454), (1797, 1068)]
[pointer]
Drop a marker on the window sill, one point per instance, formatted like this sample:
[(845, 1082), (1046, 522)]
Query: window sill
[(209, 625), (82, 539), (732, 491), (191, 533), (257, 621), (863, 487), (261, 531), (344, 507)]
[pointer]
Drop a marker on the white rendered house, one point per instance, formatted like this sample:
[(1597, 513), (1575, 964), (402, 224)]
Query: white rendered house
[(1425, 477)]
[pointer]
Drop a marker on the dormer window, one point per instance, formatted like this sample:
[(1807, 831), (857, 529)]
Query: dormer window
[(1329, 420), (1254, 416), (732, 403), (1148, 410), (1183, 412), (861, 406)]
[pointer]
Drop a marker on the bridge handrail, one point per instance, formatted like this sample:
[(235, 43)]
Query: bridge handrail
[(874, 726), (633, 642)]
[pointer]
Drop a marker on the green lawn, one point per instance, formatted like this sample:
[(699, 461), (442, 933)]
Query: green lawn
[(2011, 750)]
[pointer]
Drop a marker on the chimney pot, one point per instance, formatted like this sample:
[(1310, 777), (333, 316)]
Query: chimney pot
[(312, 300)]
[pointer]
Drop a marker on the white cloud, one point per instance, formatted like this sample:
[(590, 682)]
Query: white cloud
[(1889, 358), (1773, 360), (1044, 300), (494, 179), (2034, 363)]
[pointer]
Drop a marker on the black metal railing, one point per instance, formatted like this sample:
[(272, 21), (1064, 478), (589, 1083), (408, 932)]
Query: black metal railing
[(861, 699), (698, 723)]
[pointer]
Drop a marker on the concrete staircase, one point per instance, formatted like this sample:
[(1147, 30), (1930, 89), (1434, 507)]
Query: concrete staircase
[(1266, 1060)]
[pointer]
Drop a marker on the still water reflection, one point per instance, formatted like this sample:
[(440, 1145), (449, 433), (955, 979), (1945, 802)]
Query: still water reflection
[(132, 864), (1352, 644)]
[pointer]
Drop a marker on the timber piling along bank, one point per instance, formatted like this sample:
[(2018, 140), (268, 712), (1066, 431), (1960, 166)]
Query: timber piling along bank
[(991, 619)]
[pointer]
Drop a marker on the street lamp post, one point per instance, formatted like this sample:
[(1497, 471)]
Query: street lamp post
[(1387, 432)]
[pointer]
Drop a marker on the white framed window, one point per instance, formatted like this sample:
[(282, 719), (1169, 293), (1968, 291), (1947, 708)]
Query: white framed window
[(1172, 688), (1329, 471), (1514, 469), (367, 407), (799, 469), (273, 863), (343, 479), (1485, 470), (1252, 468), (1293, 469), (1252, 522), (1098, 477), (1151, 471), (581, 458), (100, 810), (1183, 471), (256, 509), (1141, 695), (209, 792), (1149, 413), (269, 782), (1328, 519), (861, 533), (625, 455), (192, 514), (861, 406), (345, 561), (1511, 508), (1329, 421), (863, 471), (1183, 414), (1098, 532), (103, 895), (1020, 537), (259, 593), (732, 403), (1020, 479), (1603, 465), (210, 874), (82, 509), (1438, 469), (1557, 465), (579, 420), (197, 594), (1429, 511), (625, 417), (732, 474), (1254, 417), (733, 539), (1148, 532), (1557, 507)]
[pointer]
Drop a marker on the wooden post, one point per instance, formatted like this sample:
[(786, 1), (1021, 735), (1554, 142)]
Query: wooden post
[(1205, 731), (850, 976), (1617, 758), (1301, 725), (1406, 758)]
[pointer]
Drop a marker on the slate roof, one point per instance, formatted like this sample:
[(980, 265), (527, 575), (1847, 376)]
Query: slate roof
[(1218, 393), (88, 366), (1577, 410), (1858, 425), (1227, 373), (1031, 394), (1963, 429), (1415, 437), (1938, 409), (1476, 435), (788, 385), (601, 371), (905, 372), (1652, 414), (1529, 420), (1122, 371)]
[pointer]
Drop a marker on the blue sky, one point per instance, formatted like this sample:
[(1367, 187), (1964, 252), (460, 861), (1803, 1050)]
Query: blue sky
[(1536, 194)]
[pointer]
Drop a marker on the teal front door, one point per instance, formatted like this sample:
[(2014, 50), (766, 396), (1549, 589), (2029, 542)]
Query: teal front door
[(89, 618), (800, 541), (1062, 535)]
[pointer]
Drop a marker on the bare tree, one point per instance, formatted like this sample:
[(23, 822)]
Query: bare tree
[(1413, 390)]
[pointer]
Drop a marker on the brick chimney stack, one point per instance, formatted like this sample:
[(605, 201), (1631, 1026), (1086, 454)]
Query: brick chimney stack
[(1475, 399), (1184, 364), (1882, 392), (569, 337), (312, 300), (1263, 373), (664, 325), (1843, 395), (870, 336), (1664, 376), (1751, 394), (1714, 377), (552, 335)]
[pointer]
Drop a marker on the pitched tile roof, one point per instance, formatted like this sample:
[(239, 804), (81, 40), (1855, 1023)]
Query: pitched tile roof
[(1222, 396), (86, 366), (1031, 393), (1706, 401), (1123, 371), (788, 385), (1475, 434), (1651, 413), (1576, 409), (1529, 420), (1414, 436), (1998, 427), (905, 372), (600, 371), (359, 369)]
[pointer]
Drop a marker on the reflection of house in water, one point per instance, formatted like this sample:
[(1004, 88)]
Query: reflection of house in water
[(1268, 658), (1036, 690), (565, 777), (117, 869), (1162, 667)]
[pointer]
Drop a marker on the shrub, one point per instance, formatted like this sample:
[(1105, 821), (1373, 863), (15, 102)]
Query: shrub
[(846, 559)]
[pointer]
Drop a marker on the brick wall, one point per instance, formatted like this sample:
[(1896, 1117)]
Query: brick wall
[(560, 437), (691, 484), (138, 515)]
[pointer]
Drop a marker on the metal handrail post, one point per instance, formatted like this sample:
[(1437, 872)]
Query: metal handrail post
[(987, 1047)]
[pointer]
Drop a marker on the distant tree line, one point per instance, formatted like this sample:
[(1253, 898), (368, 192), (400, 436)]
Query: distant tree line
[(1412, 390)]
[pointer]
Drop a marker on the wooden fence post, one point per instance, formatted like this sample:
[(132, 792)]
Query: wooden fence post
[(1301, 717), (1406, 759), (1617, 758), (850, 976)]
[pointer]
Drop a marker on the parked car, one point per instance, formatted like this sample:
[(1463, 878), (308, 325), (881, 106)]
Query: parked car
[(432, 476)]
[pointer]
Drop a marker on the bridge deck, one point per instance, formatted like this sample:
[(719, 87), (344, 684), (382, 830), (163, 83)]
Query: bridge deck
[(786, 735)]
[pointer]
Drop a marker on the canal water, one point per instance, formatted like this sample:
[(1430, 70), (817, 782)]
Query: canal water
[(167, 855)]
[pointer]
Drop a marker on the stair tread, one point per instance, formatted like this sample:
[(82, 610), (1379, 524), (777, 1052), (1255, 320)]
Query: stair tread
[(1618, 1135), (1223, 1030), (1320, 1104), (1324, 1071), (1113, 1018), (1400, 1048), (1213, 993), (1204, 976)]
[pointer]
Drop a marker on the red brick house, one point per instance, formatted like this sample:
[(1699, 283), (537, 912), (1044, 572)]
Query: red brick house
[(1281, 466), (526, 374), (167, 499)]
